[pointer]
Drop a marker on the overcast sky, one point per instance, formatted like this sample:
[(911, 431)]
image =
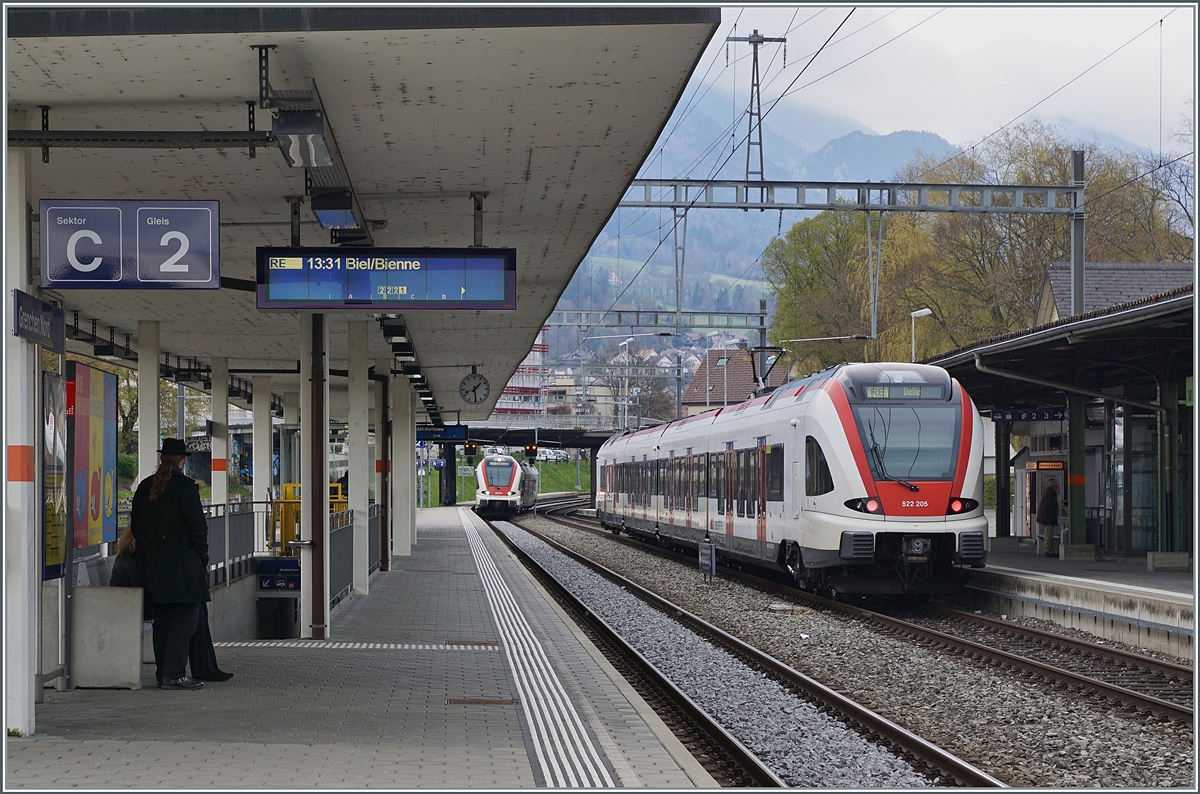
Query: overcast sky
[(962, 72)]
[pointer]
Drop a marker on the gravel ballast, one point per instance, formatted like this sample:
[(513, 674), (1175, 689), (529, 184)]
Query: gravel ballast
[(1023, 732), (802, 746)]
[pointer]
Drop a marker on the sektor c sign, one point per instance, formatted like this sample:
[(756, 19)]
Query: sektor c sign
[(130, 244)]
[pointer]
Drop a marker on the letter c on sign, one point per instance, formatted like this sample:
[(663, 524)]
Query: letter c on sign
[(84, 267)]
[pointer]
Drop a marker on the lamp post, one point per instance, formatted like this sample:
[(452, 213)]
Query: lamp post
[(914, 316), (725, 373), (708, 366)]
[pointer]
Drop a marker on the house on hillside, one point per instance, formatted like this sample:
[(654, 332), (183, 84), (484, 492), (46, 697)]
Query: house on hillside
[(725, 377), (1107, 284)]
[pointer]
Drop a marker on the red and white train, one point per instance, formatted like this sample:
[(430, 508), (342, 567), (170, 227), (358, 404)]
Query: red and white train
[(504, 486), (860, 479)]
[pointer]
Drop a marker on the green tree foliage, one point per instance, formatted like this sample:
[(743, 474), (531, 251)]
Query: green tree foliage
[(817, 271), (981, 274)]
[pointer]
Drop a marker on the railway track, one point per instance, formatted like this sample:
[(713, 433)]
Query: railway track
[(726, 759), (1134, 681), (925, 756)]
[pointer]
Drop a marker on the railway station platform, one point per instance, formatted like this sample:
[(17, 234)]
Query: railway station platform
[(1116, 599), (457, 670)]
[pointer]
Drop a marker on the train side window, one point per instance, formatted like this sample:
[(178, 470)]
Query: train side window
[(817, 479), (702, 476), (775, 473)]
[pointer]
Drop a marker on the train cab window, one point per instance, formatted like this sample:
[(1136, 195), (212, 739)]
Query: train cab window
[(499, 473), (775, 473), (817, 479)]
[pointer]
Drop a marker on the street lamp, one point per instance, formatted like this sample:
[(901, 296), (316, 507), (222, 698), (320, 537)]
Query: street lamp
[(725, 373), (914, 316)]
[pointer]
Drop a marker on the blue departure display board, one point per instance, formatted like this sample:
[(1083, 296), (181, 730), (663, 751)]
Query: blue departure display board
[(387, 279)]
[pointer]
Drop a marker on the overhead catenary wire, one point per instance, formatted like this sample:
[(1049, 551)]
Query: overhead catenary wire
[(676, 220)]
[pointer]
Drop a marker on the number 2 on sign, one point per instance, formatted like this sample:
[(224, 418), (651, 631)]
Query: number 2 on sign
[(170, 265)]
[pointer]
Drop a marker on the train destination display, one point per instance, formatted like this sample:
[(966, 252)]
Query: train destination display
[(392, 279)]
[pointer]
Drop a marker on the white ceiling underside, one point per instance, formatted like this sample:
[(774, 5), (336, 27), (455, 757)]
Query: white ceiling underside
[(552, 121)]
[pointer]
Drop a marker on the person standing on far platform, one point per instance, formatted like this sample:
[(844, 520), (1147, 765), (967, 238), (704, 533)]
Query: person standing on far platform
[(1047, 516), (167, 521)]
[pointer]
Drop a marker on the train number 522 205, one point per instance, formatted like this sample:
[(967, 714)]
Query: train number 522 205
[(914, 503)]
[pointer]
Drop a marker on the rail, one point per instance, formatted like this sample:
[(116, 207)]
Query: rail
[(931, 754)]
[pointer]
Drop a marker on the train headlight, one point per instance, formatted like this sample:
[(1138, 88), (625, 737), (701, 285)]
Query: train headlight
[(868, 505), (961, 505)]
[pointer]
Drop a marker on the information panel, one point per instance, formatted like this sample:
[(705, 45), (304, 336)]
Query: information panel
[(98, 244), (387, 279)]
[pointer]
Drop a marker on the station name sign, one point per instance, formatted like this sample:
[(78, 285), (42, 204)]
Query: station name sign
[(93, 244), (38, 321), (390, 279)]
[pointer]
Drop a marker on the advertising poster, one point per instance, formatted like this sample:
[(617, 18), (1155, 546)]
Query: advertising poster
[(92, 437), (54, 476)]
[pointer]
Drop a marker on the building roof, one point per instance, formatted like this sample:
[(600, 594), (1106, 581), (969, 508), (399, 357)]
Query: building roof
[(735, 379), (1108, 284)]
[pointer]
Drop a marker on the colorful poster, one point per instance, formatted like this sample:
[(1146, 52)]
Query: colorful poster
[(92, 416), (54, 476)]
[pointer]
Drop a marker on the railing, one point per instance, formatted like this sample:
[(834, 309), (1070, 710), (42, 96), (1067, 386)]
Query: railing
[(341, 555), (553, 421), (232, 530), (373, 538)]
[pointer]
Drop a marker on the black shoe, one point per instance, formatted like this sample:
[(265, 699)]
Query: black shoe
[(1051, 554), (181, 683), (218, 675)]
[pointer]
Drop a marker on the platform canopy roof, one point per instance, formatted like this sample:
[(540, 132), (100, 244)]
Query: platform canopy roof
[(549, 110)]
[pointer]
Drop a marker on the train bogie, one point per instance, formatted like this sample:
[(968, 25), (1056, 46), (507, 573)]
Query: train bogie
[(504, 486), (865, 478)]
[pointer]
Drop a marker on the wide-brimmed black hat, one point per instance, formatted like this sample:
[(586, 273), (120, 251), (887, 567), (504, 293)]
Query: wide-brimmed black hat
[(174, 446)]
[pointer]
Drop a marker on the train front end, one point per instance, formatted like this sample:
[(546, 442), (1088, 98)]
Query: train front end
[(908, 515), (498, 487)]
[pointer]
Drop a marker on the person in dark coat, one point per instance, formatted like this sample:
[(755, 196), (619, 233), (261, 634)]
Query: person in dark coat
[(1047, 516), (125, 571), (167, 521)]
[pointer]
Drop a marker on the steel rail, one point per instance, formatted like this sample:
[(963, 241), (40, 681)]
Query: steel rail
[(926, 751), (762, 776), (1109, 691), (1113, 654)]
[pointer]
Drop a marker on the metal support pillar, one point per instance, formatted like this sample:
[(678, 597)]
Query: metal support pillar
[(260, 461), (359, 453), (1003, 480), (404, 468), (148, 355), (1076, 423), (1077, 251), (314, 480), (22, 576), (449, 476), (1169, 539), (180, 411), (220, 431), (383, 461)]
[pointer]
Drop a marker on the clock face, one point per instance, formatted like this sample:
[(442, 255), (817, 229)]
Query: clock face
[(474, 388)]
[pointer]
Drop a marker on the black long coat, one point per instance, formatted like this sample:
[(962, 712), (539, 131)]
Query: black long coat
[(172, 541)]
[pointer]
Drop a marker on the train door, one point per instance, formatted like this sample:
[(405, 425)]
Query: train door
[(760, 488), (688, 461), (730, 485)]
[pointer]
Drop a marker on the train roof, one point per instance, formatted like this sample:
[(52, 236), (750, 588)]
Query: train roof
[(780, 396)]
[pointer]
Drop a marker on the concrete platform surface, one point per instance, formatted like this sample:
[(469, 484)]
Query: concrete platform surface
[(456, 671)]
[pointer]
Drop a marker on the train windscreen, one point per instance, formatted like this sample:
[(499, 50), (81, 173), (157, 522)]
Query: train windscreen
[(499, 473), (910, 442)]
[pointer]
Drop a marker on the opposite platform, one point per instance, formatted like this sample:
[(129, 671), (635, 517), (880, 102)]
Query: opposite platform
[(457, 670)]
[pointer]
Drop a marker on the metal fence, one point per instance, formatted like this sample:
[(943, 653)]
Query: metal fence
[(341, 555), (373, 538), (232, 530)]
